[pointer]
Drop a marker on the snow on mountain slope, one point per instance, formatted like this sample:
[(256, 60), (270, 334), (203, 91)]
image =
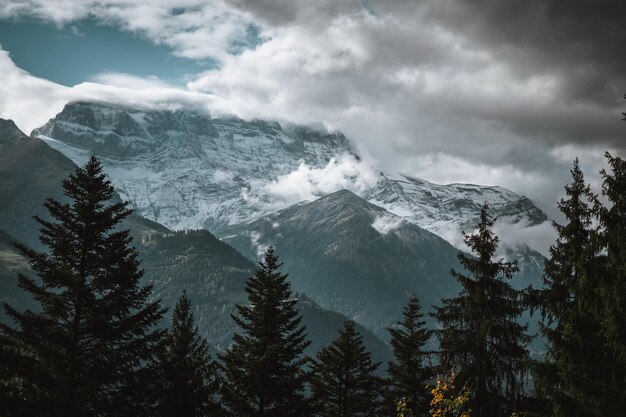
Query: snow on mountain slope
[(189, 170), (446, 210)]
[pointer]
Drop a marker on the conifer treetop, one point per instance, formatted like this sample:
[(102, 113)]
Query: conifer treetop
[(263, 368), (87, 344)]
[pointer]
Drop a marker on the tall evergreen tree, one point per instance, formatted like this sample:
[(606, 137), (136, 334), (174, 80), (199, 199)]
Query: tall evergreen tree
[(410, 372), (573, 372), (480, 337), (263, 368), (83, 353), (611, 282), (189, 376), (343, 382)]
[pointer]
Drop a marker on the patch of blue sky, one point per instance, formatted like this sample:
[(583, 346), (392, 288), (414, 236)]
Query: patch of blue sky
[(79, 51)]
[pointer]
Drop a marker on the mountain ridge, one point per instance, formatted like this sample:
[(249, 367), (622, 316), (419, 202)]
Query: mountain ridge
[(223, 171), (343, 256)]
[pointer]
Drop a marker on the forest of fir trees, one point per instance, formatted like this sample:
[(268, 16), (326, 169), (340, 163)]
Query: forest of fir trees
[(96, 346)]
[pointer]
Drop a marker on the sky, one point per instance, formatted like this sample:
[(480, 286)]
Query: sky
[(476, 91)]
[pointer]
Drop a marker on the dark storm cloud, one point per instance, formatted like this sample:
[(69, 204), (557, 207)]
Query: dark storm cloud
[(578, 45), (583, 40), (551, 124)]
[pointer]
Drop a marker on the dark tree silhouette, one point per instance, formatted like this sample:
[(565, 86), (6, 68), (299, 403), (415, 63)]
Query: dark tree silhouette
[(344, 383), (263, 368), (480, 337), (410, 372), (568, 377), (189, 375), (83, 353)]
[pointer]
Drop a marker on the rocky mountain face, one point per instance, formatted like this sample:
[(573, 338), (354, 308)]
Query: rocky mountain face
[(353, 257), (183, 169), (31, 172), (446, 210), (189, 170)]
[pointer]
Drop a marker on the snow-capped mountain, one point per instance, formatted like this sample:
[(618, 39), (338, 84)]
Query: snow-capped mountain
[(186, 169), (183, 169), (448, 209)]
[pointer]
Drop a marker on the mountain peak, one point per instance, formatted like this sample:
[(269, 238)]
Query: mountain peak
[(4, 123), (9, 131), (343, 195), (333, 247), (188, 170), (338, 207)]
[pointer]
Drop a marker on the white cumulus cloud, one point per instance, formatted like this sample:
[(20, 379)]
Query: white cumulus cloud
[(194, 29), (306, 183), (30, 101)]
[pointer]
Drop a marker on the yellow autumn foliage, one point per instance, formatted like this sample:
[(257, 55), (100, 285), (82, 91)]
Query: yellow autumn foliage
[(446, 402)]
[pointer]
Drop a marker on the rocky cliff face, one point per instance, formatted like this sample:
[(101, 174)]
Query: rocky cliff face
[(183, 169)]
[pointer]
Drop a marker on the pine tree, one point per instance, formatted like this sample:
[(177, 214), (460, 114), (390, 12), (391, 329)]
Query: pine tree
[(573, 372), (83, 353), (611, 283), (409, 373), (189, 375), (343, 382), (263, 368), (480, 338)]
